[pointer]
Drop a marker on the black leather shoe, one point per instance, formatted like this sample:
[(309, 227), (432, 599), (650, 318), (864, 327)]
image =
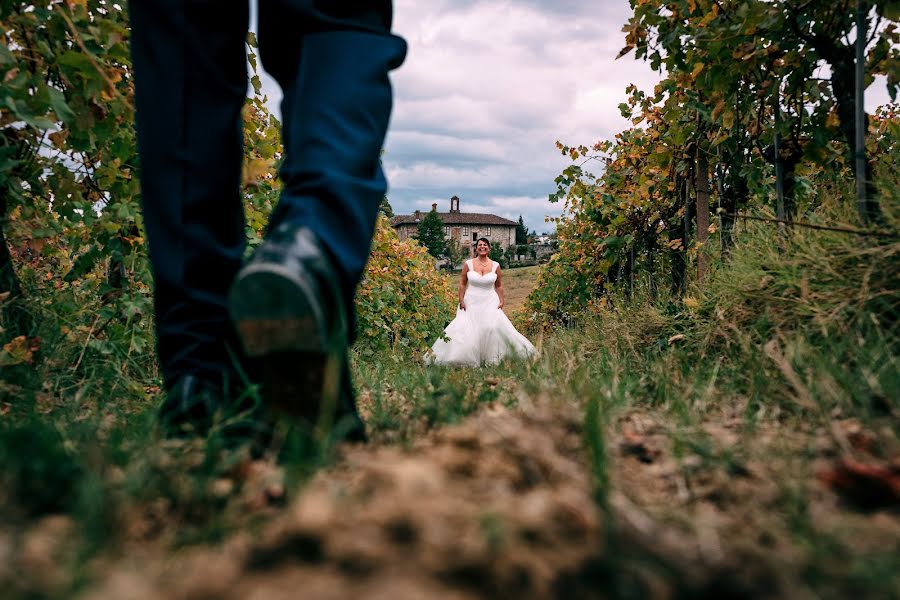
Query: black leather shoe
[(288, 309), (195, 406), (189, 407)]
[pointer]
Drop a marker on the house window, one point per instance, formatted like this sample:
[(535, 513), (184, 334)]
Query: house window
[(446, 231), (466, 230), (487, 231)]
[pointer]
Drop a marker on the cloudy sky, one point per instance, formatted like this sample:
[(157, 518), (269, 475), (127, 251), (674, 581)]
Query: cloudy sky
[(487, 89)]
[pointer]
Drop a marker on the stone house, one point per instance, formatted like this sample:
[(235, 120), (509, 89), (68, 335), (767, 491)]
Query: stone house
[(463, 227)]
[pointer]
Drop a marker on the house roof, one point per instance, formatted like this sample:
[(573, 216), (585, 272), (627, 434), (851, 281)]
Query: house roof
[(457, 218)]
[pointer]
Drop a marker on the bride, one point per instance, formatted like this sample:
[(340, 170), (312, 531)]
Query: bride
[(481, 332)]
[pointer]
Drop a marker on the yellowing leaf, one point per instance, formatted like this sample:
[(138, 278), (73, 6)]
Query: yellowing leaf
[(728, 120), (16, 352), (59, 138), (718, 110)]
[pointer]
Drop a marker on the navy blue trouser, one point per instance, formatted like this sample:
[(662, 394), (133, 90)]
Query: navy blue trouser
[(331, 58)]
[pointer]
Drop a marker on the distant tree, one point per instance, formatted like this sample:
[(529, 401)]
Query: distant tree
[(386, 209), (521, 232), (431, 234), (522, 250), (457, 252), (496, 253)]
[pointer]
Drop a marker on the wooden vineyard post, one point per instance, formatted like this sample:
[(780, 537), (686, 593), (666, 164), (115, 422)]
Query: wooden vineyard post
[(701, 183)]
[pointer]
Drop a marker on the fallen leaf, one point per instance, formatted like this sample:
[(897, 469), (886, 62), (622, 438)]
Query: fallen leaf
[(16, 352), (868, 485), (636, 445)]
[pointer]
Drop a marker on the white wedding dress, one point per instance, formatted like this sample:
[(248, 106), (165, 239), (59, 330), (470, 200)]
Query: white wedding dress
[(481, 334)]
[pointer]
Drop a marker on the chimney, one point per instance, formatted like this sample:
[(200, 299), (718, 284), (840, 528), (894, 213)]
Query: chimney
[(418, 215), (434, 207), (454, 204)]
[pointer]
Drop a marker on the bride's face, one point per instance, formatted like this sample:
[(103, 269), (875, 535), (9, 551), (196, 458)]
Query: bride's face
[(482, 249)]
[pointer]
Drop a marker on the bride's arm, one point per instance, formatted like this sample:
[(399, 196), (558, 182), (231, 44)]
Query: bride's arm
[(463, 281), (499, 287)]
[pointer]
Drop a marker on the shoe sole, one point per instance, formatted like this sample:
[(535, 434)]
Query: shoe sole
[(276, 318)]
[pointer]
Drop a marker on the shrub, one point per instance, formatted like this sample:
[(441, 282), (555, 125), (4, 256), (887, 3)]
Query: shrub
[(496, 254), (403, 304)]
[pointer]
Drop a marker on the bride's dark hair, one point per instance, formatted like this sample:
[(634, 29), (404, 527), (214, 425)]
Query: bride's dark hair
[(483, 239)]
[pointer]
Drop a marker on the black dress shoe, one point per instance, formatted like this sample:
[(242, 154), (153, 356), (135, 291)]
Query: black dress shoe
[(189, 407), (194, 406), (289, 311)]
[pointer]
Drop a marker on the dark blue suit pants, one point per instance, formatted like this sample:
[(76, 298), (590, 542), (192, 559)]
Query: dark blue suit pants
[(331, 58)]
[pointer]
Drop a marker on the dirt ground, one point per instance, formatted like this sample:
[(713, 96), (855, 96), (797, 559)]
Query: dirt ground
[(502, 505)]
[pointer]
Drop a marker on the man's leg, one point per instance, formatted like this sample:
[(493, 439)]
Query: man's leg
[(332, 60), (191, 77)]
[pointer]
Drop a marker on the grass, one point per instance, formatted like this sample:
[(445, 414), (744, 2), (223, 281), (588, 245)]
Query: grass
[(765, 389), (517, 284)]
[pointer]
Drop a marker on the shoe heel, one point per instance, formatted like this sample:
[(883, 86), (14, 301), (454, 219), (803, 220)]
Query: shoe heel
[(272, 312), (261, 337), (304, 386), (274, 316)]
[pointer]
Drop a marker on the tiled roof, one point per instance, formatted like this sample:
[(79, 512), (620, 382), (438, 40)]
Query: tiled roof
[(457, 218)]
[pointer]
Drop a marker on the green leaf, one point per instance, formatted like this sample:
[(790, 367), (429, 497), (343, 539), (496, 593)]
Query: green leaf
[(76, 62), (6, 57), (8, 160), (24, 113), (889, 9), (58, 102)]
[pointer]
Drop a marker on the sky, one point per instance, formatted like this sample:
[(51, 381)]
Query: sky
[(487, 89)]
